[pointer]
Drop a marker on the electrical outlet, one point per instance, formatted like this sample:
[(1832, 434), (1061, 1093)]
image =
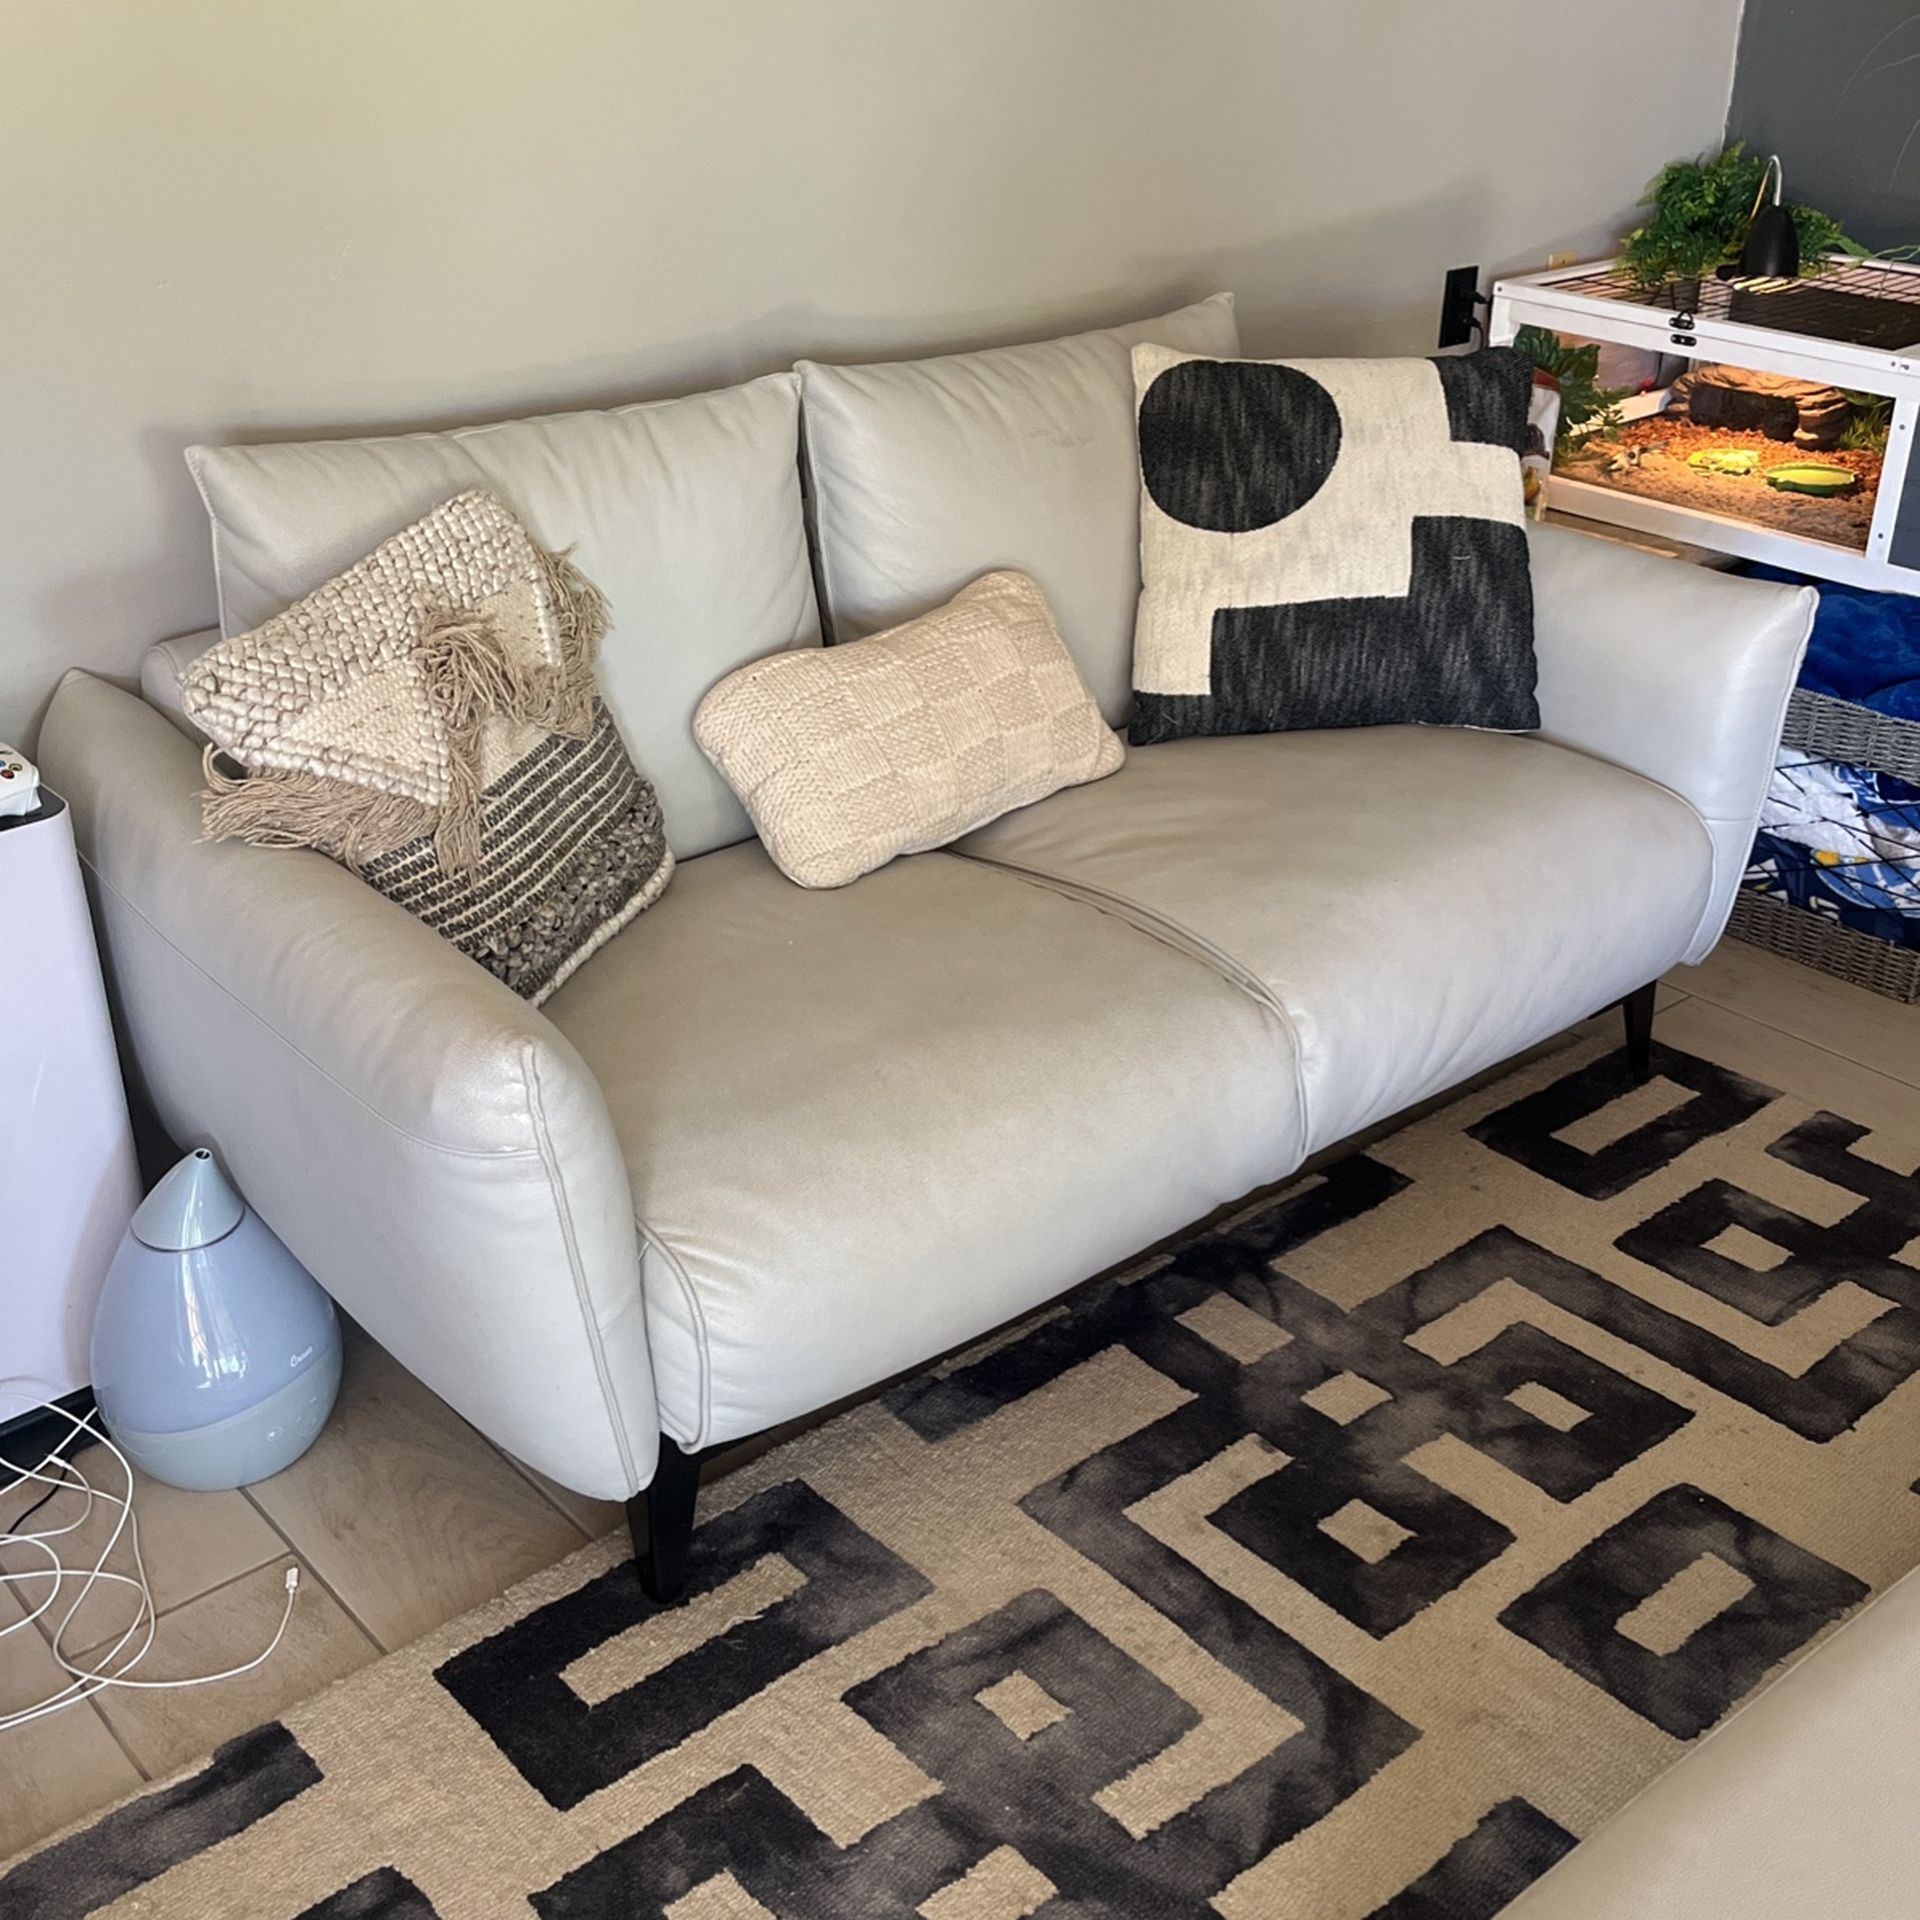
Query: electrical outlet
[(1459, 300), (1556, 260)]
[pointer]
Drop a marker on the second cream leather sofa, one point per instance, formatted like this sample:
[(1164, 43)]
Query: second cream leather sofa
[(1803, 1805), (770, 1146)]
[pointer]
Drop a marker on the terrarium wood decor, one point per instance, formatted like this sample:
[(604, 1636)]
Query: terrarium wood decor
[(1781, 428)]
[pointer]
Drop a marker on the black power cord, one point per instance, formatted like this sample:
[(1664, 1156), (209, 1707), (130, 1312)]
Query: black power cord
[(56, 1457), (19, 1520)]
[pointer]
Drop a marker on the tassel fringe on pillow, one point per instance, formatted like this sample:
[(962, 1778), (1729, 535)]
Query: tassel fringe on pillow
[(472, 673)]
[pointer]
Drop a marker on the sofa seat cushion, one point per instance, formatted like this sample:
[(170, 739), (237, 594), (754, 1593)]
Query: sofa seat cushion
[(1417, 902), (862, 1126)]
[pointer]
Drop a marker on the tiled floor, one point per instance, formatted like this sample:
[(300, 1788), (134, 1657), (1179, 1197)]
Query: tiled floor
[(399, 1518), (402, 1516)]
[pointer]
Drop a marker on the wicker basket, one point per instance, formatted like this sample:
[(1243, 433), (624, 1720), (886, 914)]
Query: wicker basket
[(1763, 920), (1837, 730)]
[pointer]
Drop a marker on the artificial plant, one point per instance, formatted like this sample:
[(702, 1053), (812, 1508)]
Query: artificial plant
[(1586, 407), (1870, 424), (1700, 211)]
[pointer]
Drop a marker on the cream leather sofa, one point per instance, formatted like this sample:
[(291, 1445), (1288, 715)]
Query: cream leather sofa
[(770, 1146)]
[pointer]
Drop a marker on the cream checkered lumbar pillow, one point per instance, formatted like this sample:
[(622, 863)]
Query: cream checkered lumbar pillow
[(429, 719), (846, 756)]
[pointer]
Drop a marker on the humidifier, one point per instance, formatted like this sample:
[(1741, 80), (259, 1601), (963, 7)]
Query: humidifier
[(216, 1356)]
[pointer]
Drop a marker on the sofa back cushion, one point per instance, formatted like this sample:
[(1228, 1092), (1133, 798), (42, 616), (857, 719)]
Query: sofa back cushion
[(928, 473), (685, 513)]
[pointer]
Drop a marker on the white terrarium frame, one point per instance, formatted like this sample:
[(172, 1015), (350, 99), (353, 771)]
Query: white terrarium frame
[(1892, 557)]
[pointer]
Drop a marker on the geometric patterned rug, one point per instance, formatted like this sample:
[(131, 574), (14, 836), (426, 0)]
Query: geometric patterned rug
[(1352, 1559)]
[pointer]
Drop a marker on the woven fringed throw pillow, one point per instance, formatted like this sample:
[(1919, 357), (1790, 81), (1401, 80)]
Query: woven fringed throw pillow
[(429, 719)]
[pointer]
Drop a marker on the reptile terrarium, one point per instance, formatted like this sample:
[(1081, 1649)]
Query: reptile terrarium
[(1775, 420)]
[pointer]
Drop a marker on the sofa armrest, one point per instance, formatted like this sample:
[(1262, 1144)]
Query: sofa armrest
[(430, 1146), (1677, 672)]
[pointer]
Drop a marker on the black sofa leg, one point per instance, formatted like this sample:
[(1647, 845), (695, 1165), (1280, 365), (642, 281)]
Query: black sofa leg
[(1638, 1008), (661, 1521)]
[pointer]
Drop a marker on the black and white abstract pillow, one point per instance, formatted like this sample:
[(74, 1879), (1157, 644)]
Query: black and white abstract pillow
[(1332, 543)]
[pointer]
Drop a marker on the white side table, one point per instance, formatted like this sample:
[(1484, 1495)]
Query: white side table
[(68, 1178)]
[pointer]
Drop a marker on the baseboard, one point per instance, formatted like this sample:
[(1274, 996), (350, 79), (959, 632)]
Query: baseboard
[(28, 1438)]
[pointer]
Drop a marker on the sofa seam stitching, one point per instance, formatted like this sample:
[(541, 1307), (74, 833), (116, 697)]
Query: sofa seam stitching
[(495, 1154), (1178, 939), (563, 1212), (703, 1425)]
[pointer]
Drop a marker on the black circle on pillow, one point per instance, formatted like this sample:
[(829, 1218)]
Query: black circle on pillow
[(1232, 445)]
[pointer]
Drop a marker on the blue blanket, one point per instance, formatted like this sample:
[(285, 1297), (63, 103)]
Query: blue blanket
[(1865, 646)]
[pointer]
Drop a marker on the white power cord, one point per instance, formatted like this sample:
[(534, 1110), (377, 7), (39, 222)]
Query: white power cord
[(105, 1668)]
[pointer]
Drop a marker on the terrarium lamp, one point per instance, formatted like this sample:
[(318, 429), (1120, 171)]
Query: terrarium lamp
[(216, 1356), (1772, 248)]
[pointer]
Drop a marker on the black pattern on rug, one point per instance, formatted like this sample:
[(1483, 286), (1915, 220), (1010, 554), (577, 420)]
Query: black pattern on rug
[(1452, 1490)]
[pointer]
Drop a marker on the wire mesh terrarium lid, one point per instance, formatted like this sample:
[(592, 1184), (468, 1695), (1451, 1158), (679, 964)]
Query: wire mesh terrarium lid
[(1854, 301)]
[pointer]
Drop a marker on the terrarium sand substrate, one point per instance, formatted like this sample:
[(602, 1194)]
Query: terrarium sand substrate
[(1661, 472)]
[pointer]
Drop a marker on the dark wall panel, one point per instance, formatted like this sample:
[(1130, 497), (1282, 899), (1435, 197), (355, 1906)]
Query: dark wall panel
[(1833, 87)]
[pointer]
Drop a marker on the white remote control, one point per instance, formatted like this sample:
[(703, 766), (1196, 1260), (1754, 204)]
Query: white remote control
[(19, 783)]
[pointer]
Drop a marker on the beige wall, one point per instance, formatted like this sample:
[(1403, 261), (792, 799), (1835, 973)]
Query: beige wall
[(249, 218)]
